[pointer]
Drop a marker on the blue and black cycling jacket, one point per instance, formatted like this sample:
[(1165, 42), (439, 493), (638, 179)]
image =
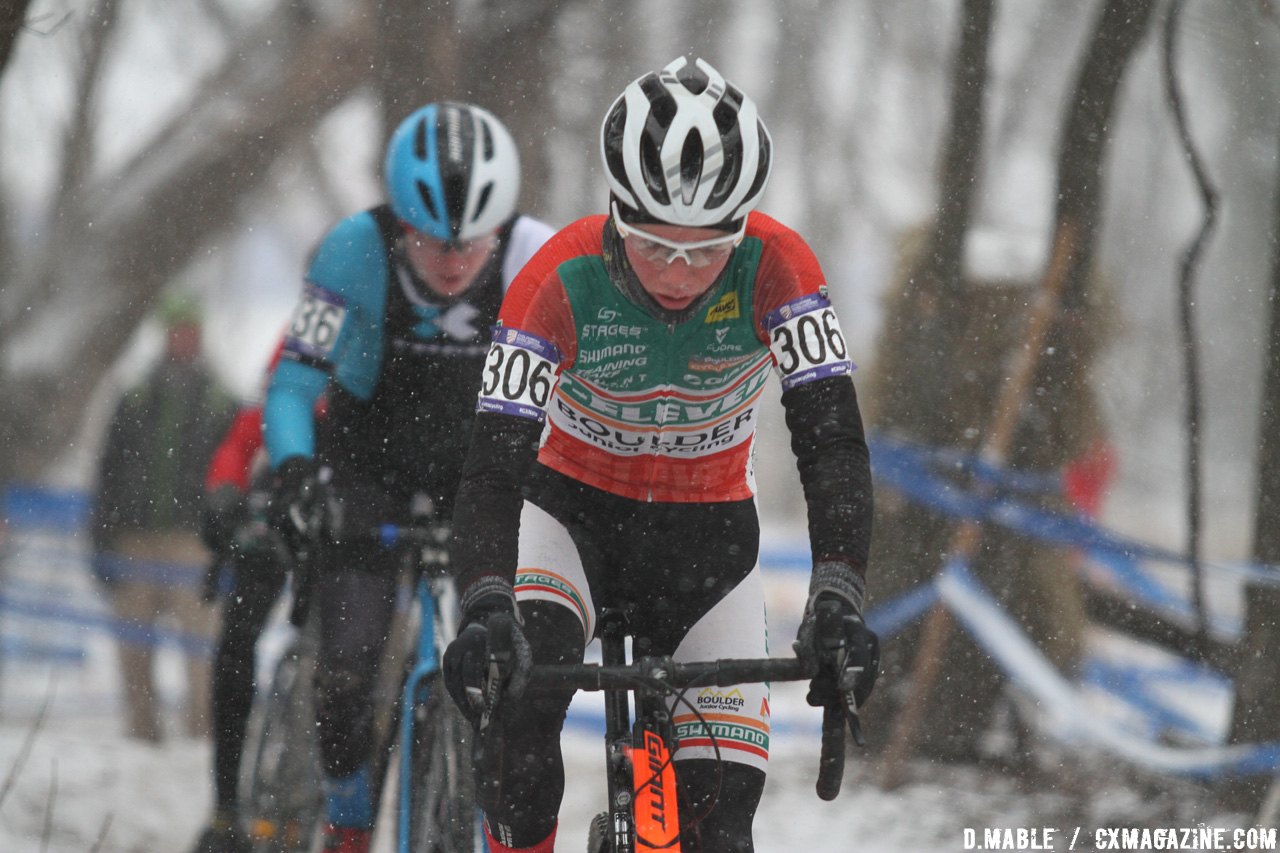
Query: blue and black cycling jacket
[(400, 364)]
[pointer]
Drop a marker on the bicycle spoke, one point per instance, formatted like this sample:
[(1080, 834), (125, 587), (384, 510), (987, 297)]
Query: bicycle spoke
[(280, 798), (442, 805)]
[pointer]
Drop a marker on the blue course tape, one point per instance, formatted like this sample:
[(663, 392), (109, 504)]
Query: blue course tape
[(28, 506), (1065, 712), (913, 470), (1136, 686), (154, 572), (191, 644), (892, 616), (21, 648), (1128, 574)]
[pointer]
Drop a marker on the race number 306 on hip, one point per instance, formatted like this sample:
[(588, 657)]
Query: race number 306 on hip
[(806, 341), (519, 374)]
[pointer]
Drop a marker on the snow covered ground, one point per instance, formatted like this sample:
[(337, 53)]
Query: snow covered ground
[(81, 787), (72, 783)]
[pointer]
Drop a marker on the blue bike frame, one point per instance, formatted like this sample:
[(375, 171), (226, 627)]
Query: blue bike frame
[(417, 691), (417, 688)]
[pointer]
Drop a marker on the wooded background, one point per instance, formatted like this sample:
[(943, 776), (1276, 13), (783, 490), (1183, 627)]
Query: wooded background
[(931, 151)]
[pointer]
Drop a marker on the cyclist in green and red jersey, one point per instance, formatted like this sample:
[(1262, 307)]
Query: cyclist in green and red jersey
[(641, 341)]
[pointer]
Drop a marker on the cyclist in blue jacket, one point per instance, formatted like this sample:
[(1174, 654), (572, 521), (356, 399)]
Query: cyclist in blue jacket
[(393, 328)]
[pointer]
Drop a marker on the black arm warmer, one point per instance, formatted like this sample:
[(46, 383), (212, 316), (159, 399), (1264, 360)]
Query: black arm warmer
[(486, 518), (835, 468)]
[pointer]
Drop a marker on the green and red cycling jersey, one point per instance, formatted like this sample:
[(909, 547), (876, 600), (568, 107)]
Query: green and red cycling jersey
[(652, 410), (660, 408)]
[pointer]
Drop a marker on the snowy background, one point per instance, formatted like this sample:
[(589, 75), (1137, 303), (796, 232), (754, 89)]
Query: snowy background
[(70, 780), (878, 71)]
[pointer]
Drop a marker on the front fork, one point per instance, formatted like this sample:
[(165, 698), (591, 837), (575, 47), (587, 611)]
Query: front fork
[(643, 812), (417, 686)]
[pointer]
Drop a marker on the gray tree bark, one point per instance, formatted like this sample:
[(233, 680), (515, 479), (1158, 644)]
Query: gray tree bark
[(1257, 671), (117, 240), (945, 357), (13, 16)]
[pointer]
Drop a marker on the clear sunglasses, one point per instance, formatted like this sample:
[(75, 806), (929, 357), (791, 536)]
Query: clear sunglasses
[(660, 250)]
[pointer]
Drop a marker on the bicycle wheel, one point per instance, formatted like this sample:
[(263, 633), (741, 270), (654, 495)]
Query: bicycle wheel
[(280, 797), (442, 805)]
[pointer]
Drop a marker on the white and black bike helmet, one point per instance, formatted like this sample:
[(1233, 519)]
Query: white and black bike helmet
[(685, 147), (452, 171)]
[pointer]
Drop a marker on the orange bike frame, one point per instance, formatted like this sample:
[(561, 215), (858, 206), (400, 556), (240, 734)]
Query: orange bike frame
[(657, 819)]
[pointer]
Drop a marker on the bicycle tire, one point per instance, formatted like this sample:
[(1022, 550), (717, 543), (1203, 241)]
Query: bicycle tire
[(442, 804), (280, 799)]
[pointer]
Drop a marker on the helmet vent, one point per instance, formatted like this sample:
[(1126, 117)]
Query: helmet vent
[(762, 174), (483, 200), (651, 169), (693, 78), (662, 106), (455, 198), (428, 200), (691, 162), (420, 141), (486, 140), (726, 111)]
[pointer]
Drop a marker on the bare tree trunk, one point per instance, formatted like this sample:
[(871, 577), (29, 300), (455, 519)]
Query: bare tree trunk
[(131, 235), (509, 57), (915, 388), (420, 54), (1081, 156), (1254, 718), (12, 22), (497, 57), (13, 15), (917, 400), (940, 384)]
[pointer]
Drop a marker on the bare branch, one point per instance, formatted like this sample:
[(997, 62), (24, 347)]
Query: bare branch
[(77, 145), (77, 155), (12, 21), (28, 742), (51, 801), (151, 221), (102, 833)]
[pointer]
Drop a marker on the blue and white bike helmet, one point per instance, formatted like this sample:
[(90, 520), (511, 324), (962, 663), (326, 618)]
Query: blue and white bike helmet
[(684, 146), (452, 171)]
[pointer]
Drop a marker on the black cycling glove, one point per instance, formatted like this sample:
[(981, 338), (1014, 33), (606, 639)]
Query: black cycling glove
[(221, 513), (834, 634), (295, 501), (490, 658)]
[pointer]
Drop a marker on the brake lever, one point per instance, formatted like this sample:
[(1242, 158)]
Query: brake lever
[(497, 667), (848, 681)]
